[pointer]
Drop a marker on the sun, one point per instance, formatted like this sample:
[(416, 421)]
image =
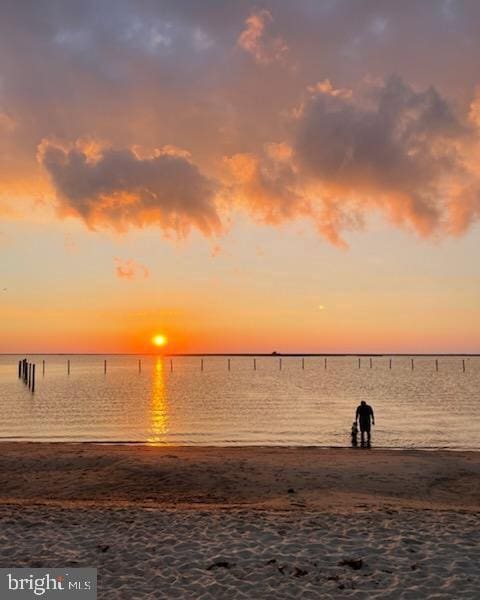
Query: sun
[(159, 340)]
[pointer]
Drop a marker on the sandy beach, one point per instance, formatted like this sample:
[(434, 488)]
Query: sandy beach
[(186, 522)]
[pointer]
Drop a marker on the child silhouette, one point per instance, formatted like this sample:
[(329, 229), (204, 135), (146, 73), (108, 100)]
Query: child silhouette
[(354, 434)]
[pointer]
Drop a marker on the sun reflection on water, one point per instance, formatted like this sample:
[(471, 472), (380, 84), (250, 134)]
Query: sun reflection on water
[(159, 406)]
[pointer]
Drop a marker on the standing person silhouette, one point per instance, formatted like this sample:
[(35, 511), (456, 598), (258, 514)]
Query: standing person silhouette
[(365, 418)]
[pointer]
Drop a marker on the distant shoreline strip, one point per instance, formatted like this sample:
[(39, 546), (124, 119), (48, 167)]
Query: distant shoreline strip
[(248, 354)]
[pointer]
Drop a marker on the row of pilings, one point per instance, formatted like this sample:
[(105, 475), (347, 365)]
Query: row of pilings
[(26, 372)]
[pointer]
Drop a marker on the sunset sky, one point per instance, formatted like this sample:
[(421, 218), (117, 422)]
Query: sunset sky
[(289, 175)]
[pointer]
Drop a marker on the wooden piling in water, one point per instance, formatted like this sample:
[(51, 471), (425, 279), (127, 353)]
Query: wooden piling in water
[(413, 366), (68, 367), (390, 365), (325, 363), (254, 364), (104, 366), (19, 369), (139, 366), (201, 365), (303, 364), (463, 365), (171, 366), (359, 363), (29, 380), (280, 364), (43, 367), (229, 364), (33, 378), (370, 363), (436, 364)]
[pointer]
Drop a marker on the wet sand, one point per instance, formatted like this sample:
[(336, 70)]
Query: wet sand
[(246, 477)]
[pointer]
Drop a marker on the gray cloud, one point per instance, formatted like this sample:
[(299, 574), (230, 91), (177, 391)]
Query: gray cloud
[(119, 189), (387, 132), (390, 146)]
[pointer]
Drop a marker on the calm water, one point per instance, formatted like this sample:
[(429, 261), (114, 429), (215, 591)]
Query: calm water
[(314, 406)]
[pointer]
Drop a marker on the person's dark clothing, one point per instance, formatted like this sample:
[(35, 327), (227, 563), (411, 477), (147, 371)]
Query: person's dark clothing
[(365, 417)]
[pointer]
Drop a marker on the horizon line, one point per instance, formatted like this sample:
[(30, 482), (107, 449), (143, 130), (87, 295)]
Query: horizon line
[(247, 354)]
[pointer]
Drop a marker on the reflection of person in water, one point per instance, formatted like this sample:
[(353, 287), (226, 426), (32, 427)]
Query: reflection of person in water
[(365, 418)]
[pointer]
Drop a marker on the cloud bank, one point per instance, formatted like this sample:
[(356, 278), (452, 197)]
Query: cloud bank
[(312, 110)]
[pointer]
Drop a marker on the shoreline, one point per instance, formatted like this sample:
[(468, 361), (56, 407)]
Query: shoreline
[(273, 477), (374, 448)]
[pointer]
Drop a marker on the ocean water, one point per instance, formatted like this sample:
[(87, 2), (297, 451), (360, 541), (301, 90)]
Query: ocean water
[(178, 403)]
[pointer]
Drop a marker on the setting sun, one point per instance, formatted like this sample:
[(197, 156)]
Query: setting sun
[(159, 340)]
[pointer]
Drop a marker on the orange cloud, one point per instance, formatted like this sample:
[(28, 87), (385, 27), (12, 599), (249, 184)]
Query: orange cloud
[(271, 189), (256, 40), (129, 269), (265, 185)]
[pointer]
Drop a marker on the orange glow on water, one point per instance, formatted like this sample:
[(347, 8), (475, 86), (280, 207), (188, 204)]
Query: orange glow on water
[(159, 405)]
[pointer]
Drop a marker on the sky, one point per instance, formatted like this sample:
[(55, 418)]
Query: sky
[(290, 176)]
